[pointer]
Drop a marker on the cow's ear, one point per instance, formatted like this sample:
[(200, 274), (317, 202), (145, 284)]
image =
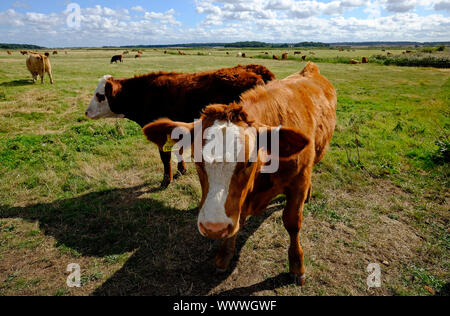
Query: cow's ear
[(164, 131), (282, 141), (112, 87)]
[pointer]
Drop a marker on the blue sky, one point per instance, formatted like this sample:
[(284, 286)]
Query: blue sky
[(134, 22)]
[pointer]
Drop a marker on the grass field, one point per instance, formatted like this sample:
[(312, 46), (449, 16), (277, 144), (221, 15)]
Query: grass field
[(87, 192)]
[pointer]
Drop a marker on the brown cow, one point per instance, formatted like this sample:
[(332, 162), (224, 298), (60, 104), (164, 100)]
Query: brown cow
[(290, 122), (39, 64), (243, 55), (137, 56), (117, 58), (297, 53), (165, 52), (365, 60), (390, 54), (178, 96), (304, 58), (140, 52), (24, 52), (284, 56), (181, 52), (9, 52), (275, 57), (55, 52)]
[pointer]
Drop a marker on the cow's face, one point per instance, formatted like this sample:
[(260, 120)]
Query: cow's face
[(232, 157), (99, 107), (226, 175)]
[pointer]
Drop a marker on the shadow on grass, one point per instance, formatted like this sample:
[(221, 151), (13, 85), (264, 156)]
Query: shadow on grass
[(17, 83), (170, 258)]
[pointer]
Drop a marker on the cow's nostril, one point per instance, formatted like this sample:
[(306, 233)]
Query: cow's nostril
[(216, 227)]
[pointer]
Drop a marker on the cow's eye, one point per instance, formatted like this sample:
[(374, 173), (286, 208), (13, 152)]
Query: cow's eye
[(100, 97)]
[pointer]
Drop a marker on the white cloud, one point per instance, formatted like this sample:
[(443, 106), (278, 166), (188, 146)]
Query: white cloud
[(138, 9), (443, 5)]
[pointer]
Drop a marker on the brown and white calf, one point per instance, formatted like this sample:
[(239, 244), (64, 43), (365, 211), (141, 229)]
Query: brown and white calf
[(301, 111), (178, 96)]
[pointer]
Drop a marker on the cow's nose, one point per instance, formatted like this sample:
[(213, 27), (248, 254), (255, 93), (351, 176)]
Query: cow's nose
[(215, 230)]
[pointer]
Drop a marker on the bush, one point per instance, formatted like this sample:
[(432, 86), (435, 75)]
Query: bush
[(416, 60), (442, 155)]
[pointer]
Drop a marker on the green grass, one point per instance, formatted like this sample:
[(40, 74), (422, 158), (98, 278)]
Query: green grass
[(79, 191)]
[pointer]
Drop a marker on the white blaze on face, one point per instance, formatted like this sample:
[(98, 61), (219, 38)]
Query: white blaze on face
[(220, 164), (99, 107)]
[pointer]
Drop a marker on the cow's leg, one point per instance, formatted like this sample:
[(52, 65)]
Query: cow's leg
[(51, 77), (181, 164), (35, 76), (226, 251), (225, 254), (168, 176), (308, 196), (42, 77), (292, 219)]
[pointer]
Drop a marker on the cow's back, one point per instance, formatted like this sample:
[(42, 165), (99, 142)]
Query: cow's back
[(306, 101)]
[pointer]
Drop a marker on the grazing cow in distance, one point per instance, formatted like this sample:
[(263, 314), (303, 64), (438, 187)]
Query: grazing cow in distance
[(116, 58), (39, 64), (297, 117), (125, 52), (297, 53), (284, 56), (137, 56), (178, 96), (140, 52), (243, 55), (181, 52), (365, 60), (9, 52), (390, 54), (24, 52), (408, 52), (304, 58), (55, 52), (165, 52), (274, 57)]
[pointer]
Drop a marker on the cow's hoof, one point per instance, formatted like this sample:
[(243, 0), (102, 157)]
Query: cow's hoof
[(165, 183), (299, 279), (221, 270), (178, 174)]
